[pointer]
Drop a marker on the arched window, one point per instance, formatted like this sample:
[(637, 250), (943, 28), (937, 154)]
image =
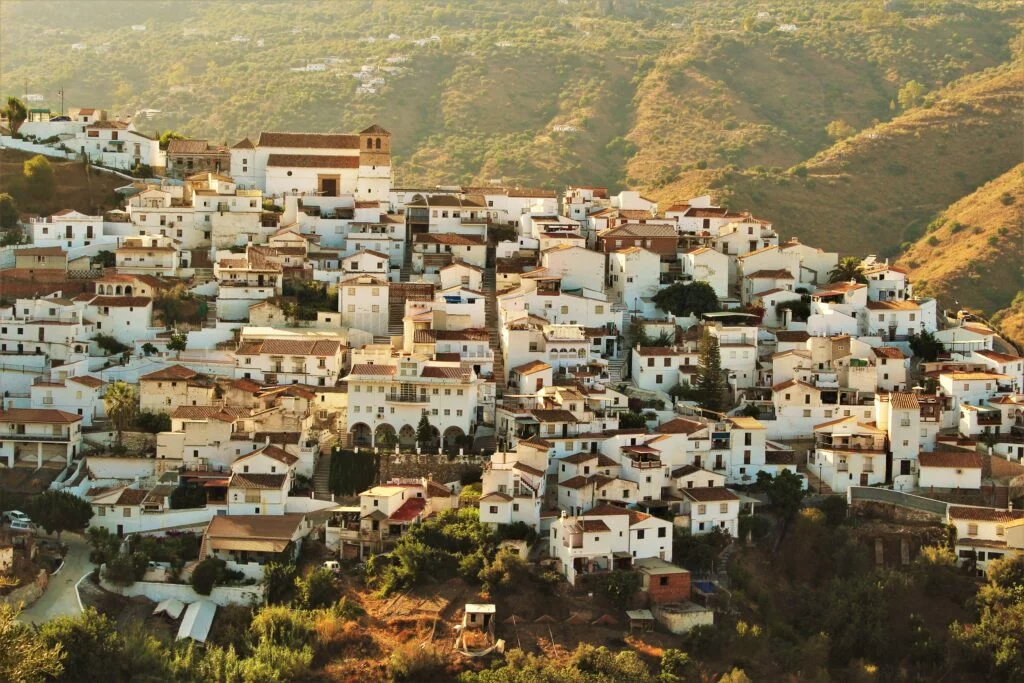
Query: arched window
[(117, 289), (378, 143), (369, 143)]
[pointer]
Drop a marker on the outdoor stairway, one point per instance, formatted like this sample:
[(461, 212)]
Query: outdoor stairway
[(816, 485), (491, 323), (406, 270), (396, 311), (615, 368), (322, 474)]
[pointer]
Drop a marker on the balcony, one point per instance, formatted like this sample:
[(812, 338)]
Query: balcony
[(406, 398), (645, 464), (990, 418), (35, 436), (842, 467)]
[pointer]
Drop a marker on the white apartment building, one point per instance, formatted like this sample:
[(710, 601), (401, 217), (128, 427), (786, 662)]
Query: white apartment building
[(635, 274), (38, 435), (294, 359), (705, 509), (69, 229), (363, 303), (149, 255), (80, 395)]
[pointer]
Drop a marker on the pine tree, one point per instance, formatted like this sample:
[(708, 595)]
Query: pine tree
[(711, 385), (424, 432)]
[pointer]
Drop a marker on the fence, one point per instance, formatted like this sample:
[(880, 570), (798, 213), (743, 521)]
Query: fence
[(876, 495)]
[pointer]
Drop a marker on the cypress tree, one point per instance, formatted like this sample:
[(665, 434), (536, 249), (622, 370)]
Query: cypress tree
[(711, 386)]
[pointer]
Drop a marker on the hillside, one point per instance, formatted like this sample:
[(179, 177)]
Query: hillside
[(971, 256), (876, 191), (78, 187), (614, 92)]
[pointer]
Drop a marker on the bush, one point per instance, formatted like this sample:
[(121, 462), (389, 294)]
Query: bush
[(207, 574), (414, 663), (317, 588), (124, 569), (110, 344), (187, 496), (506, 571), (834, 508), (619, 586), (153, 422)]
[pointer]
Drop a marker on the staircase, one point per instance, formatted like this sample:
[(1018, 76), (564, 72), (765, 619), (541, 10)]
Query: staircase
[(406, 270), (491, 323), (615, 367), (396, 311), (322, 473), (816, 485)]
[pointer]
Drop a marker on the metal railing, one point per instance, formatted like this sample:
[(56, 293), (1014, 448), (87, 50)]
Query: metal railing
[(906, 500)]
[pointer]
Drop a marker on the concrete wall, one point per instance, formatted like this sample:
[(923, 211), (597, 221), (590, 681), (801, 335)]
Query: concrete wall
[(682, 617), (222, 595), (31, 147), (28, 593), (121, 468)]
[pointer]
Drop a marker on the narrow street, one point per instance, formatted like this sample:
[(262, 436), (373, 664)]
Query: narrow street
[(60, 598)]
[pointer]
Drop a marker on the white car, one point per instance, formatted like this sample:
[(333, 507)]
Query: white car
[(333, 565), (16, 516), (22, 527)]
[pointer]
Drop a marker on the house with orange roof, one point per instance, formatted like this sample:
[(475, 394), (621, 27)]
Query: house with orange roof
[(849, 451), (38, 435), (1007, 364), (78, 394)]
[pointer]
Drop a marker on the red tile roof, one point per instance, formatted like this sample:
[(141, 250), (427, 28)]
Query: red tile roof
[(710, 494), (449, 238), (30, 415), (312, 161), (203, 413), (174, 372), (984, 514), (409, 510), (373, 369), (680, 425), (313, 140), (957, 459)]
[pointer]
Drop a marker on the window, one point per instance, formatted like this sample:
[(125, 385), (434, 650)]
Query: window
[(662, 532), (1000, 530), (972, 529), (662, 580), (515, 507), (493, 509), (127, 512), (702, 509), (723, 508), (640, 535), (807, 413)]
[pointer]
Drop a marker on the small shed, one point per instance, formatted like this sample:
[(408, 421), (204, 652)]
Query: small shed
[(642, 619), (663, 581), (476, 633)]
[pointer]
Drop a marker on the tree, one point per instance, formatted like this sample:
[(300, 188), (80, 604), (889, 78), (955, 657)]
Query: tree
[(16, 113), (280, 581), (60, 511), (206, 575), (839, 129), (632, 420), (848, 268), (710, 382), (910, 95), (683, 300), (8, 211), (425, 433), (317, 589), (91, 643), (620, 586), (39, 177), (153, 422), (925, 346), (178, 342), (188, 496), (148, 349), (168, 135), (124, 569), (25, 658), (785, 493), (121, 402)]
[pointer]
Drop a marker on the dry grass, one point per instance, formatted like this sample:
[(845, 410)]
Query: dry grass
[(89, 192)]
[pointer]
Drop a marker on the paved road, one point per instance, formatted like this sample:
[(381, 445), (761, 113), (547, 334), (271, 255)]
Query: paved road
[(60, 598)]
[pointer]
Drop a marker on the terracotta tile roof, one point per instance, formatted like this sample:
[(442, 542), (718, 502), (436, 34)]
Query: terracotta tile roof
[(536, 442), (554, 415), (892, 306), (778, 274), (246, 385), (449, 238), (957, 459), (274, 452), (312, 161), (984, 514), (40, 251), (902, 400), (592, 525), (709, 494), (496, 497), (257, 481), (290, 347), (203, 413), (684, 471), (373, 369), (441, 372), (121, 301), (244, 143), (31, 415), (313, 140), (840, 288), (792, 336), (888, 352), (131, 497), (364, 251), (409, 510), (174, 372), (578, 458), (999, 357), (974, 376), (88, 380), (574, 483), (188, 147), (643, 230), (531, 367), (469, 334), (269, 533)]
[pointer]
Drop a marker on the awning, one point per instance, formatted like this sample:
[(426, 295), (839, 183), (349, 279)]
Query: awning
[(210, 483)]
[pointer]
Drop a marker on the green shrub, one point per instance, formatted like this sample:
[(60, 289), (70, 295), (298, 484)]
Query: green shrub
[(317, 588), (207, 574), (410, 662)]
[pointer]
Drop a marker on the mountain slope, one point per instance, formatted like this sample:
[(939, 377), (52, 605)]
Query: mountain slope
[(877, 190), (973, 253)]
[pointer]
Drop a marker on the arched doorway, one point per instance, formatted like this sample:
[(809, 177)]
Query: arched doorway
[(407, 438), (453, 439), (362, 435), (385, 438), (127, 290)]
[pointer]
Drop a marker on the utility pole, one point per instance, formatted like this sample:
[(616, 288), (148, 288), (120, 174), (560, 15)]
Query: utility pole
[(61, 93)]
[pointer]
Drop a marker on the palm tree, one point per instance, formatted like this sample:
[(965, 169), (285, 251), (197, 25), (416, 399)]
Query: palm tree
[(121, 402), (848, 268)]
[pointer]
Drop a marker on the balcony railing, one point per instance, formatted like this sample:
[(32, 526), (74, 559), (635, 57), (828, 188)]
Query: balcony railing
[(34, 436), (406, 398)]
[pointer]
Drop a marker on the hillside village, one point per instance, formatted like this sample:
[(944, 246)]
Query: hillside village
[(614, 370)]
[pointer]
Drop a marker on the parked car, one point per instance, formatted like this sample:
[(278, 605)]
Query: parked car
[(333, 565), (16, 516), (19, 526)]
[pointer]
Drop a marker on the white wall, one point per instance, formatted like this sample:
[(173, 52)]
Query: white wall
[(222, 595)]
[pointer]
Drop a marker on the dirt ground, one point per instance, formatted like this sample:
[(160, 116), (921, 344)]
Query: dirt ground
[(90, 192)]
